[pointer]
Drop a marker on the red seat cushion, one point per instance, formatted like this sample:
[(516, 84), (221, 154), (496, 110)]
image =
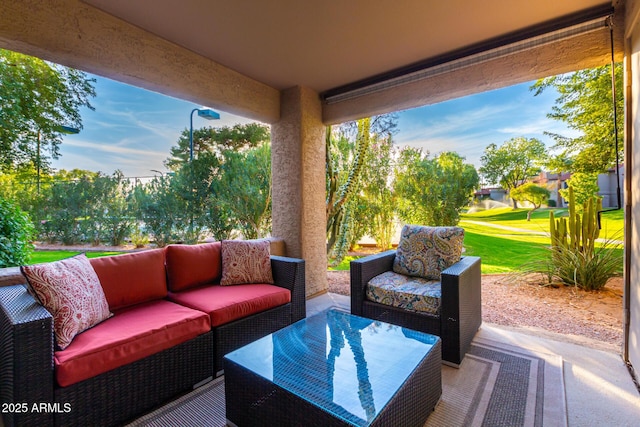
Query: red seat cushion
[(131, 334), (190, 266), (132, 278), (228, 303)]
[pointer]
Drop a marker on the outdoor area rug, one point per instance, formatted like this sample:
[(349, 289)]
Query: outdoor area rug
[(496, 385), (500, 385)]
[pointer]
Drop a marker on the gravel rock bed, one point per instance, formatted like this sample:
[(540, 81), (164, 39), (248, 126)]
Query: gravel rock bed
[(587, 318)]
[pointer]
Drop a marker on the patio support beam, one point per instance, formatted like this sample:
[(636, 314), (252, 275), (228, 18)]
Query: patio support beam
[(631, 302), (72, 33), (591, 49), (298, 183)]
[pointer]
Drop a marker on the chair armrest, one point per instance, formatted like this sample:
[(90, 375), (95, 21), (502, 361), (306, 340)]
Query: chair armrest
[(461, 284), (461, 305), (26, 355), (363, 270), (289, 273)]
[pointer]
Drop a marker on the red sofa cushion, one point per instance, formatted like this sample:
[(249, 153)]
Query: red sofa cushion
[(189, 266), (228, 303), (131, 334), (132, 278)]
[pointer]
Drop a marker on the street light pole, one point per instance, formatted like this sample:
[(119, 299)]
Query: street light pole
[(205, 113), (38, 164)]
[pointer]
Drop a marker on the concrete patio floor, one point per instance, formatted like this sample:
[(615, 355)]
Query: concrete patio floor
[(598, 387)]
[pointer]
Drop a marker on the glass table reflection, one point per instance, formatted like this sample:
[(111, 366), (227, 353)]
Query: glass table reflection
[(345, 367)]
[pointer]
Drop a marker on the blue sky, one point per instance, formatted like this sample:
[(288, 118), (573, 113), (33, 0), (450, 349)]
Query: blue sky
[(133, 129)]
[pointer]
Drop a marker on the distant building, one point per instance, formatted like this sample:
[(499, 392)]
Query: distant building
[(495, 193), (609, 189), (555, 182)]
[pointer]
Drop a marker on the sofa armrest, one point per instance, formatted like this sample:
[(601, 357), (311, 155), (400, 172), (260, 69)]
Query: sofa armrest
[(461, 305), (11, 276), (26, 356), (363, 270), (289, 273)]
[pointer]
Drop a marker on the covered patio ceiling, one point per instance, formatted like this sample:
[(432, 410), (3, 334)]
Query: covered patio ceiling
[(331, 47)]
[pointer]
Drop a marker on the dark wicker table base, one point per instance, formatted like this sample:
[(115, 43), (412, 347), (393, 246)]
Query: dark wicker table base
[(301, 385)]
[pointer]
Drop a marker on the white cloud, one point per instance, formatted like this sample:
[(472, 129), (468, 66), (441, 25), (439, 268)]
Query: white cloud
[(110, 148)]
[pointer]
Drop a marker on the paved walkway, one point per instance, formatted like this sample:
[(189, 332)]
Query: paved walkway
[(599, 389), (506, 227)]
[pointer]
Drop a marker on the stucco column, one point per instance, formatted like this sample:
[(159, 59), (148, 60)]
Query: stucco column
[(298, 183)]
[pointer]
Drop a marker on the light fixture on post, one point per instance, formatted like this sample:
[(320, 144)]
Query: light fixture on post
[(205, 113), (68, 130)]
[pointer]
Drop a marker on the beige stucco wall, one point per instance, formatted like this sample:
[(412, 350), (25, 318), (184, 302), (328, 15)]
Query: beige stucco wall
[(632, 147), (75, 34), (298, 177)]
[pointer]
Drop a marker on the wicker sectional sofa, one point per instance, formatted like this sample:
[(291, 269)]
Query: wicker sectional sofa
[(172, 325)]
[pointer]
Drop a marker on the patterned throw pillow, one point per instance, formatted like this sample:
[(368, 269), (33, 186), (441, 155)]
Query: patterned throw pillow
[(246, 261), (427, 251), (70, 290)]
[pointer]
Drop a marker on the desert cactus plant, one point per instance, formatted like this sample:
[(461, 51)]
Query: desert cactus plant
[(581, 231), (575, 259)]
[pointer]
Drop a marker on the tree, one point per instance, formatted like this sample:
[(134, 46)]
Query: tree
[(160, 210), (513, 162), (227, 187), (584, 185), (338, 196), (66, 214), (378, 198), (191, 185), (109, 209), (244, 189), (217, 140), (16, 232), (37, 98), (532, 193), (346, 150), (433, 191), (585, 105)]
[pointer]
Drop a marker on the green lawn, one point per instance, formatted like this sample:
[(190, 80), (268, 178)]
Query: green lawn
[(612, 221), (506, 251), (502, 252), (48, 256)]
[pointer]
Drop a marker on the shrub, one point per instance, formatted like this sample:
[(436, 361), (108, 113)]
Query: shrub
[(139, 238), (588, 271), (575, 257), (16, 232), (160, 210)]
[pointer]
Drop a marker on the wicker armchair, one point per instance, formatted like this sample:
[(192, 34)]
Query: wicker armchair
[(460, 308)]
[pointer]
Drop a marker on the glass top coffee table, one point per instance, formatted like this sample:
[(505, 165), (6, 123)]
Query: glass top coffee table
[(334, 369)]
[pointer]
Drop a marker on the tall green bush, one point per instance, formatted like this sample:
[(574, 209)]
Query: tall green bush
[(111, 212), (160, 210), (433, 191), (16, 232), (244, 189), (66, 212)]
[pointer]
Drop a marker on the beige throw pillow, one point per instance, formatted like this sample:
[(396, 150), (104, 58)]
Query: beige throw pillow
[(246, 261)]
